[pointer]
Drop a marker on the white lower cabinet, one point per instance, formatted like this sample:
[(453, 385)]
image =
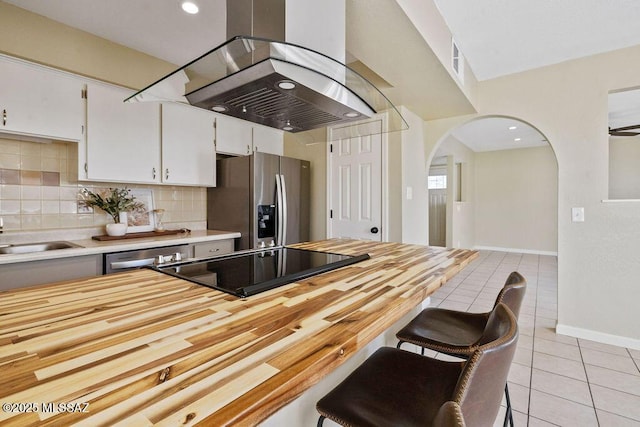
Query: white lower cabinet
[(213, 248), (188, 151), (122, 139)]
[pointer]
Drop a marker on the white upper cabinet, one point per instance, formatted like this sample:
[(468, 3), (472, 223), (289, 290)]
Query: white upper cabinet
[(240, 137), (267, 140), (188, 152), (123, 139), (233, 136), (36, 101)]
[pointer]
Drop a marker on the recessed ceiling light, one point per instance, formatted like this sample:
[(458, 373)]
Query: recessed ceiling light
[(287, 127), (351, 114), (286, 84), (190, 7), (513, 127), (517, 139), (219, 108)]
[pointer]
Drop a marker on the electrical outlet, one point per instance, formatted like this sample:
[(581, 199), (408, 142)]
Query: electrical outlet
[(577, 214)]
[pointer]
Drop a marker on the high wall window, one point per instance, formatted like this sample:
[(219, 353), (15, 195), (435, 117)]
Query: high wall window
[(437, 182), (457, 60)]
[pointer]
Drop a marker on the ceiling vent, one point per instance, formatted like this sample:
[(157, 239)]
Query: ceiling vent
[(457, 60)]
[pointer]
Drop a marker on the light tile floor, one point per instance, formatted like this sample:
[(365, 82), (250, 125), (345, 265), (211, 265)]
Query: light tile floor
[(554, 379)]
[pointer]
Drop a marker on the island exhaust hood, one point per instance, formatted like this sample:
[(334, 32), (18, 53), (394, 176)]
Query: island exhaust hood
[(277, 84)]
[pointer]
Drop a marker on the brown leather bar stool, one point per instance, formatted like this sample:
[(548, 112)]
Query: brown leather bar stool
[(399, 388), (458, 333)]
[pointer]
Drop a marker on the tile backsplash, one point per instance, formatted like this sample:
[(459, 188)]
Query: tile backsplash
[(39, 190)]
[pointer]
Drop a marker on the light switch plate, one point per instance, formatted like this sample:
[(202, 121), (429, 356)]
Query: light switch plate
[(409, 193), (577, 214)]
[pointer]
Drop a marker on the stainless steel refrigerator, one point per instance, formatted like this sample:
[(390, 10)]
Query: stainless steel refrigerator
[(263, 196)]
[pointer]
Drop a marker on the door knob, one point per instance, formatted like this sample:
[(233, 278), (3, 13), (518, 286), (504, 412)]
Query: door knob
[(374, 230)]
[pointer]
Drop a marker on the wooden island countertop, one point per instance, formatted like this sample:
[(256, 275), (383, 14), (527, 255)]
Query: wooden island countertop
[(143, 348)]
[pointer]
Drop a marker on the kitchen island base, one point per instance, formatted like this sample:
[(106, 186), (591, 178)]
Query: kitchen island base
[(144, 348), (302, 411)]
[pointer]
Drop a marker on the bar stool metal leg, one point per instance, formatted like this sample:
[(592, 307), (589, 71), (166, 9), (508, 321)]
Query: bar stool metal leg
[(508, 416)]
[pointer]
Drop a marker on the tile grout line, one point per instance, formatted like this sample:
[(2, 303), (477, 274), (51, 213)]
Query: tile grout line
[(533, 344), (529, 416), (635, 362), (586, 374)]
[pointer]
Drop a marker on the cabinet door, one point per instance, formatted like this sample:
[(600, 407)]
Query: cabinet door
[(267, 140), (233, 136), (188, 153), (123, 139), (13, 276), (213, 248), (40, 102)]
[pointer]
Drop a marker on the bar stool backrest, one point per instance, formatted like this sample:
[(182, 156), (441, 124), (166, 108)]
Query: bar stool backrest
[(512, 293), (449, 415), (480, 387)]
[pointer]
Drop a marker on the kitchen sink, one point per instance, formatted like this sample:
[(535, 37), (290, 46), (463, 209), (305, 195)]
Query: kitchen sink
[(35, 247)]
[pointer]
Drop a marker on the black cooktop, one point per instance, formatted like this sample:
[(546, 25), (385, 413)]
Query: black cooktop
[(249, 273)]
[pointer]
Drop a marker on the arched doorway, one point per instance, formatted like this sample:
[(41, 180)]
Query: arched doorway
[(501, 189)]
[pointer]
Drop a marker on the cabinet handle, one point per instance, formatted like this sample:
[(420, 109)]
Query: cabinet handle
[(166, 174), (248, 149), (4, 117), (154, 173)]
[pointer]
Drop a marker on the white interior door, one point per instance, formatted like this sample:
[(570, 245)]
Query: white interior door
[(355, 188)]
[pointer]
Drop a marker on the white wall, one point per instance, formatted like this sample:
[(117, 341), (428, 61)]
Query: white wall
[(415, 211), (461, 222), (517, 200), (317, 25), (624, 168), (38, 39), (434, 29), (598, 264)]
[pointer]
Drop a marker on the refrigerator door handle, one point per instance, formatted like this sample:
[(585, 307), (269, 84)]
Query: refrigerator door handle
[(285, 220), (279, 213)]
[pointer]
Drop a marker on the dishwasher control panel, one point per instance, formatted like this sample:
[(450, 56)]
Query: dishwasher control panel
[(127, 260)]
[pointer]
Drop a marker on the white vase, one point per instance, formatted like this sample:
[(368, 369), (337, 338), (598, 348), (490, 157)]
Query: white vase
[(116, 229)]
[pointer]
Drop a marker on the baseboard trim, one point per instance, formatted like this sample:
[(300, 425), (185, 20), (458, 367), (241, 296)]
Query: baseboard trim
[(515, 250), (602, 337)]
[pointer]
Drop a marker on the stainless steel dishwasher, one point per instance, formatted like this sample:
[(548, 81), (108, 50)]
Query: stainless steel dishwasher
[(127, 260)]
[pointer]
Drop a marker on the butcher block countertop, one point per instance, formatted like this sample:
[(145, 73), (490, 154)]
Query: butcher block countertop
[(141, 348)]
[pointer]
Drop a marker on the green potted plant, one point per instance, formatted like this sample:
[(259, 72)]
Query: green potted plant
[(116, 202)]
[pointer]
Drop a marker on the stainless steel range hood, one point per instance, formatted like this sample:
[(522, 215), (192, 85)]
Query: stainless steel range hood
[(277, 84)]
